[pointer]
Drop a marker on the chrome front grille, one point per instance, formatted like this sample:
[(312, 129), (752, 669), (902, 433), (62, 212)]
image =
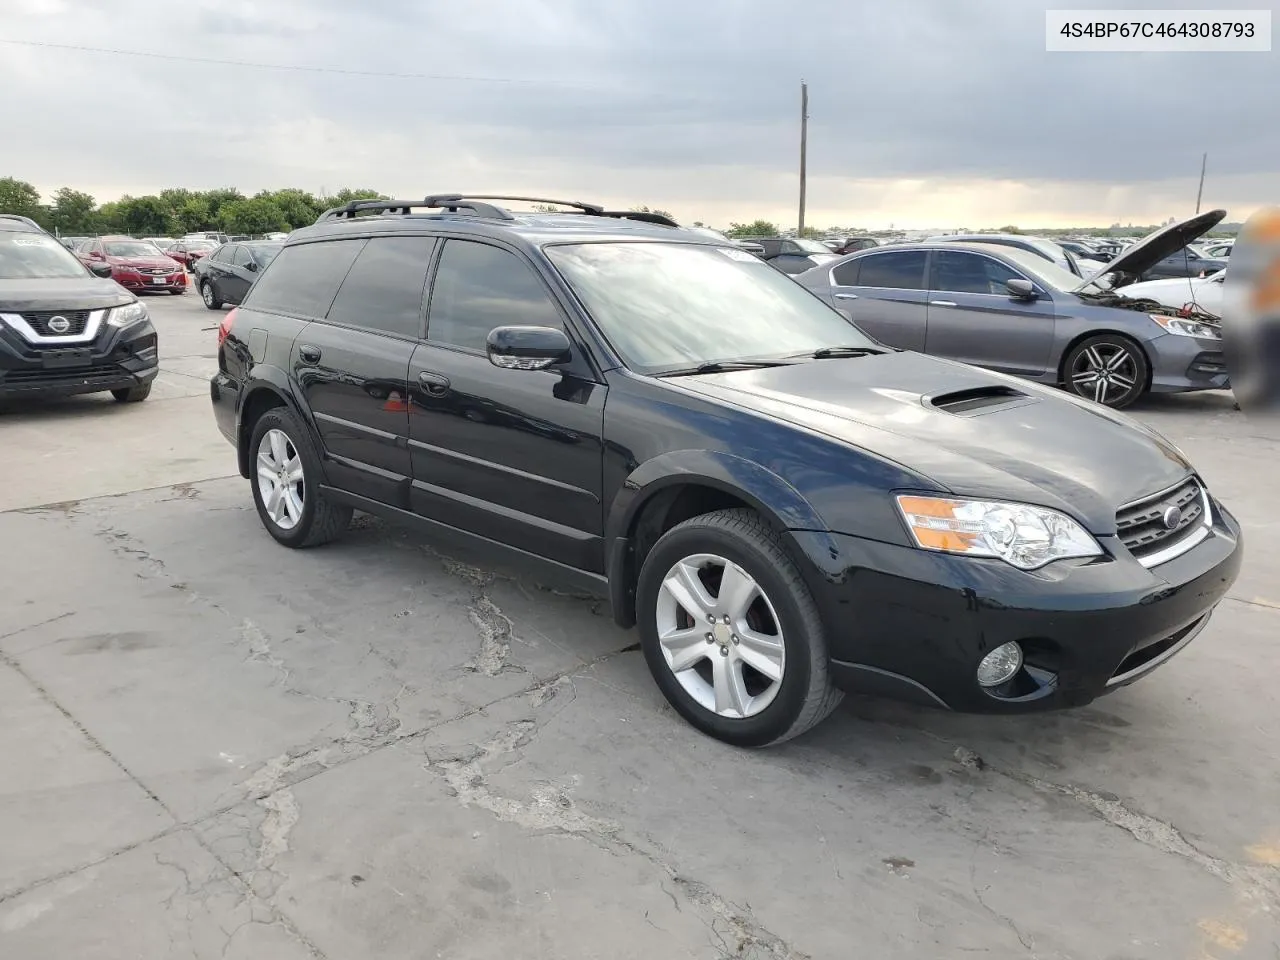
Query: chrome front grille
[(76, 321), (1163, 526)]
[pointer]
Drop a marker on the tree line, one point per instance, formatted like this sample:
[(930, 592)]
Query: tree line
[(172, 212)]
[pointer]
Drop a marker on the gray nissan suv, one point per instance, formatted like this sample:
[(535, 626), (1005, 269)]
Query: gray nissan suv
[(1015, 312)]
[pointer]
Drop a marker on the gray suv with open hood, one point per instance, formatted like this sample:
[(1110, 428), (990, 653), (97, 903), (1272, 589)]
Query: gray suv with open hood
[(1015, 312)]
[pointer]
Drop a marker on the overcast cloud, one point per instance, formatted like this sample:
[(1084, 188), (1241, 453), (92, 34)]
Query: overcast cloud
[(923, 112)]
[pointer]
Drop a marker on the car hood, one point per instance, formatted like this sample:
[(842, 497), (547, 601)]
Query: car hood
[(1030, 443), (88, 293), (1151, 249), (146, 263)]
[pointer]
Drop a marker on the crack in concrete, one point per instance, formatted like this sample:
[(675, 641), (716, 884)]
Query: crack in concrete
[(494, 627), (551, 808)]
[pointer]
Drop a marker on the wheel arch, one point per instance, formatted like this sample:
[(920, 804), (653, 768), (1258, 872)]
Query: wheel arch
[(268, 390), (677, 486)]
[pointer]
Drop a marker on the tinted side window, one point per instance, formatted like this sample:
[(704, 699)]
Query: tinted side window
[(383, 290), (899, 271), (846, 274), (241, 256), (221, 255), (479, 287), (302, 280), (969, 273)]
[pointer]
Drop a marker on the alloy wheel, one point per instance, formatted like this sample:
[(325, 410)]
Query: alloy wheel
[(1104, 372), (281, 482), (720, 636), (206, 293)]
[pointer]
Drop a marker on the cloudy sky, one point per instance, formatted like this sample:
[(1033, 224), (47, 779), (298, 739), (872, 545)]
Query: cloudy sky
[(923, 113)]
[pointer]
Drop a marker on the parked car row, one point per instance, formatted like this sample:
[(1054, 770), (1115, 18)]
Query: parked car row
[(785, 507)]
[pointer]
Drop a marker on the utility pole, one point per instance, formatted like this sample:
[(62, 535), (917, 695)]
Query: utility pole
[(1204, 162), (804, 147)]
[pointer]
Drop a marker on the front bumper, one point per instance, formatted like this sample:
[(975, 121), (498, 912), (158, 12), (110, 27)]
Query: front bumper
[(176, 279), (1180, 364), (913, 625), (117, 359)]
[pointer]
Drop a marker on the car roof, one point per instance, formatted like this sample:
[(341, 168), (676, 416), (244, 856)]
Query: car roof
[(15, 223), (946, 245)]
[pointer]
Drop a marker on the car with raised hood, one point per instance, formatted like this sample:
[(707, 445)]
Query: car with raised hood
[(66, 328), (785, 507), (136, 265), (1014, 312)]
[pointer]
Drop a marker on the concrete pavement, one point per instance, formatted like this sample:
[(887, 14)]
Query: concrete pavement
[(213, 746)]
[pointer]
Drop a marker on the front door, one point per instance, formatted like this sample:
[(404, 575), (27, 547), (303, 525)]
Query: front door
[(974, 319), (884, 295), (511, 455)]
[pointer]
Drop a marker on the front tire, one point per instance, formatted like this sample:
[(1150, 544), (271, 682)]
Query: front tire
[(132, 394), (762, 677), (209, 295), (286, 487), (1108, 369)]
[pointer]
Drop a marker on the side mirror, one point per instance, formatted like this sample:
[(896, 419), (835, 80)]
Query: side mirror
[(100, 270), (528, 348), (252, 266), (1021, 289), (96, 256)]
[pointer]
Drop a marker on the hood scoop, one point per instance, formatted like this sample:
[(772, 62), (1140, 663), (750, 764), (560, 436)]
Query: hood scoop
[(978, 400)]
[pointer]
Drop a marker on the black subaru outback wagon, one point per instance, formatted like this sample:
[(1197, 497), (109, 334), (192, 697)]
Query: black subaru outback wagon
[(64, 329), (786, 508)]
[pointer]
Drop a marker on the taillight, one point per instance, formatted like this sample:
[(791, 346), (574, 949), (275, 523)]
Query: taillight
[(224, 328)]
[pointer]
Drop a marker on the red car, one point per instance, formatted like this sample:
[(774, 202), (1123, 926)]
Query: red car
[(135, 264), (187, 252)]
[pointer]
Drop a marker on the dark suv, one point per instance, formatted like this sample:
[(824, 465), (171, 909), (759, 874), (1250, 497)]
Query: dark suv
[(786, 508), (66, 328)]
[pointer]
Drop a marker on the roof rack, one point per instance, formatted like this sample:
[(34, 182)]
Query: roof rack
[(477, 205)]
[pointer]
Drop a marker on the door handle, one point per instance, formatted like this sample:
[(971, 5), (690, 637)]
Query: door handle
[(309, 354), (942, 303), (845, 296), (436, 385)]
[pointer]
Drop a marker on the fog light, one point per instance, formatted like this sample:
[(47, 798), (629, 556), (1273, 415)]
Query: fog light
[(1000, 664)]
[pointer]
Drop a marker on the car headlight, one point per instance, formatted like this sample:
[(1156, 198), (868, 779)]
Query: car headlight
[(1182, 327), (1022, 535), (126, 315)]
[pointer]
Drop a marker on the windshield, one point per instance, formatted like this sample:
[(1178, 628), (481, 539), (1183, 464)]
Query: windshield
[(264, 253), (671, 306), (33, 256), (198, 244), (130, 248), (811, 246)]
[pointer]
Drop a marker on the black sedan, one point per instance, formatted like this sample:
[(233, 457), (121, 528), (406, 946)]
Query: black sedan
[(786, 508), (225, 275)]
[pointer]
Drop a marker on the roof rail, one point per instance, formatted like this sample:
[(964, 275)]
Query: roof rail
[(477, 205), (455, 197), (21, 219), (660, 219)]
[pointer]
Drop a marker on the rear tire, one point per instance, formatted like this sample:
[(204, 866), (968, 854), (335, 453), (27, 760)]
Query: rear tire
[(132, 394), (209, 295), (285, 479), (771, 644), (1109, 369)]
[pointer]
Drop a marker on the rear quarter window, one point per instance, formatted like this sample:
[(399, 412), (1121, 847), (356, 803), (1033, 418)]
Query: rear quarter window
[(303, 280)]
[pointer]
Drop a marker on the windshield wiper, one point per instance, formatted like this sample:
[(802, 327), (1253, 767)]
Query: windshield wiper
[(724, 366), (827, 352)]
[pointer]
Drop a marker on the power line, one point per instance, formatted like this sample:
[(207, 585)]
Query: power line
[(298, 68)]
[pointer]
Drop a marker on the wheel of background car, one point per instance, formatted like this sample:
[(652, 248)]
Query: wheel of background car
[(209, 296), (132, 394), (731, 632), (1107, 369), (284, 469)]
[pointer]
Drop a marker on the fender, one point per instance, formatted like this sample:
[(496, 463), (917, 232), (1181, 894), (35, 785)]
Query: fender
[(271, 379), (744, 479)]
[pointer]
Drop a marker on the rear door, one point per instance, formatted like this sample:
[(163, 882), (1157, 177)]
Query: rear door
[(363, 299), (973, 318), (236, 275), (511, 455), (885, 295)]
